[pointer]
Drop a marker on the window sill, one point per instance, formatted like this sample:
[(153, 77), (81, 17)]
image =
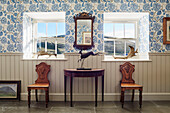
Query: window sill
[(46, 59), (125, 60)]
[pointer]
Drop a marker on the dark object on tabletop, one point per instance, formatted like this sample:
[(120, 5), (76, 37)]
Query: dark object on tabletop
[(128, 83), (10, 89), (42, 82), (83, 57)]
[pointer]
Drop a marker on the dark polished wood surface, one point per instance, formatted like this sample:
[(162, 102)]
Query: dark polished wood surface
[(83, 73), (127, 83), (42, 82)]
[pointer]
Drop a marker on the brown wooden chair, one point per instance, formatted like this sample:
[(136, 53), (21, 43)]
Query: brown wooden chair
[(42, 82), (128, 83)]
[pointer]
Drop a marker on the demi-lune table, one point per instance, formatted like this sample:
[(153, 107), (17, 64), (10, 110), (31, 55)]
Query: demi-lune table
[(83, 73)]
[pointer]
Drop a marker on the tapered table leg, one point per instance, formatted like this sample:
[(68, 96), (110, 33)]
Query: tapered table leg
[(65, 84), (29, 96), (96, 89), (71, 93), (103, 88)]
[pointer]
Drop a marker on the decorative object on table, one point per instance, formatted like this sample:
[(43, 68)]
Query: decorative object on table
[(83, 31), (166, 30), (127, 83), (83, 56), (42, 82), (130, 54), (41, 53), (10, 90)]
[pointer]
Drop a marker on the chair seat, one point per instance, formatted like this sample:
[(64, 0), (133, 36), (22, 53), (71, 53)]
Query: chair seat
[(38, 85), (131, 85)]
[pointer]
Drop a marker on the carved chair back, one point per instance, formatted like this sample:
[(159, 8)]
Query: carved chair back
[(42, 70), (127, 69)]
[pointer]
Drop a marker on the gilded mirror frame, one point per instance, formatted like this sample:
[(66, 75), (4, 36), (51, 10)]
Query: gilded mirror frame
[(83, 16)]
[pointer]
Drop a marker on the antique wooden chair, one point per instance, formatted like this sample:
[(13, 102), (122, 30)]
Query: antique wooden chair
[(128, 83), (42, 82)]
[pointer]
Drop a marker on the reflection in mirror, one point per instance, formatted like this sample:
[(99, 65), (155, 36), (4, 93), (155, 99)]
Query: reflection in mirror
[(84, 32)]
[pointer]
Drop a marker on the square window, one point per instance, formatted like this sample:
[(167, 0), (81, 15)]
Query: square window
[(129, 30), (108, 30), (119, 48), (41, 30), (51, 31), (119, 30), (109, 47)]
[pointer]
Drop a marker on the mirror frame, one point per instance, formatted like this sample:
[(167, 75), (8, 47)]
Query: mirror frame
[(83, 16)]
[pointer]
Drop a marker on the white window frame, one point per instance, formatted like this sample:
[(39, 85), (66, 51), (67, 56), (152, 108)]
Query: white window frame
[(123, 39), (36, 38)]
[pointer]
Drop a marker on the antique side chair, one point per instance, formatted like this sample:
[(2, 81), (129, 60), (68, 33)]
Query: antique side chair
[(42, 82), (127, 83)]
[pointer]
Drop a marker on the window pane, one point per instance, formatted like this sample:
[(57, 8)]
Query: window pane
[(60, 29), (119, 30), (119, 48), (109, 47), (51, 46), (130, 30), (51, 30), (60, 46), (41, 45), (129, 43), (108, 30), (41, 30)]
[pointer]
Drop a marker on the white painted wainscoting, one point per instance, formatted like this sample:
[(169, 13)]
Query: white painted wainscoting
[(154, 75)]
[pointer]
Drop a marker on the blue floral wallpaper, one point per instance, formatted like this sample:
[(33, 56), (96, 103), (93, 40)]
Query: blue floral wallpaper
[(11, 19)]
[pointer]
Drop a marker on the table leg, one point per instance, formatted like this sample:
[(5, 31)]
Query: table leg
[(65, 84), (102, 88), (29, 96), (96, 88), (71, 83)]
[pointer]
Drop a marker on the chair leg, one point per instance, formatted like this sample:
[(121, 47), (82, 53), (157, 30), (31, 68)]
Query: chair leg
[(29, 96), (133, 91), (122, 98), (46, 97), (140, 97), (36, 95)]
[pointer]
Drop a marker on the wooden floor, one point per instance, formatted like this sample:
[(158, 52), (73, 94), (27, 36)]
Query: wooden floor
[(85, 107)]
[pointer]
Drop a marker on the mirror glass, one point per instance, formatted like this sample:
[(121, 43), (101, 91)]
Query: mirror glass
[(84, 32)]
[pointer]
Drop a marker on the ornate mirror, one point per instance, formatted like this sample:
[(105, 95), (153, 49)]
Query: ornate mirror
[(83, 31)]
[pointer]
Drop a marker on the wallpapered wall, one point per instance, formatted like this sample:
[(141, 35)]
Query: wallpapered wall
[(11, 18)]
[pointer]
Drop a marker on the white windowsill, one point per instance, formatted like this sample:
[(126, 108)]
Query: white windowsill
[(108, 58), (124, 60), (50, 59), (46, 57)]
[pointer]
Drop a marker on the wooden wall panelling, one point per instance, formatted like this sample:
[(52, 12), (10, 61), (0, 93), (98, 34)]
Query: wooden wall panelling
[(167, 73), (153, 75), (149, 84), (8, 67), (158, 73), (163, 75)]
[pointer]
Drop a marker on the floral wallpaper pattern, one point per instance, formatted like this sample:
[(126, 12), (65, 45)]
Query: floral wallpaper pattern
[(11, 19)]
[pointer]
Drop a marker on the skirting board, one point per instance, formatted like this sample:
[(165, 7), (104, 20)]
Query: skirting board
[(91, 97)]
